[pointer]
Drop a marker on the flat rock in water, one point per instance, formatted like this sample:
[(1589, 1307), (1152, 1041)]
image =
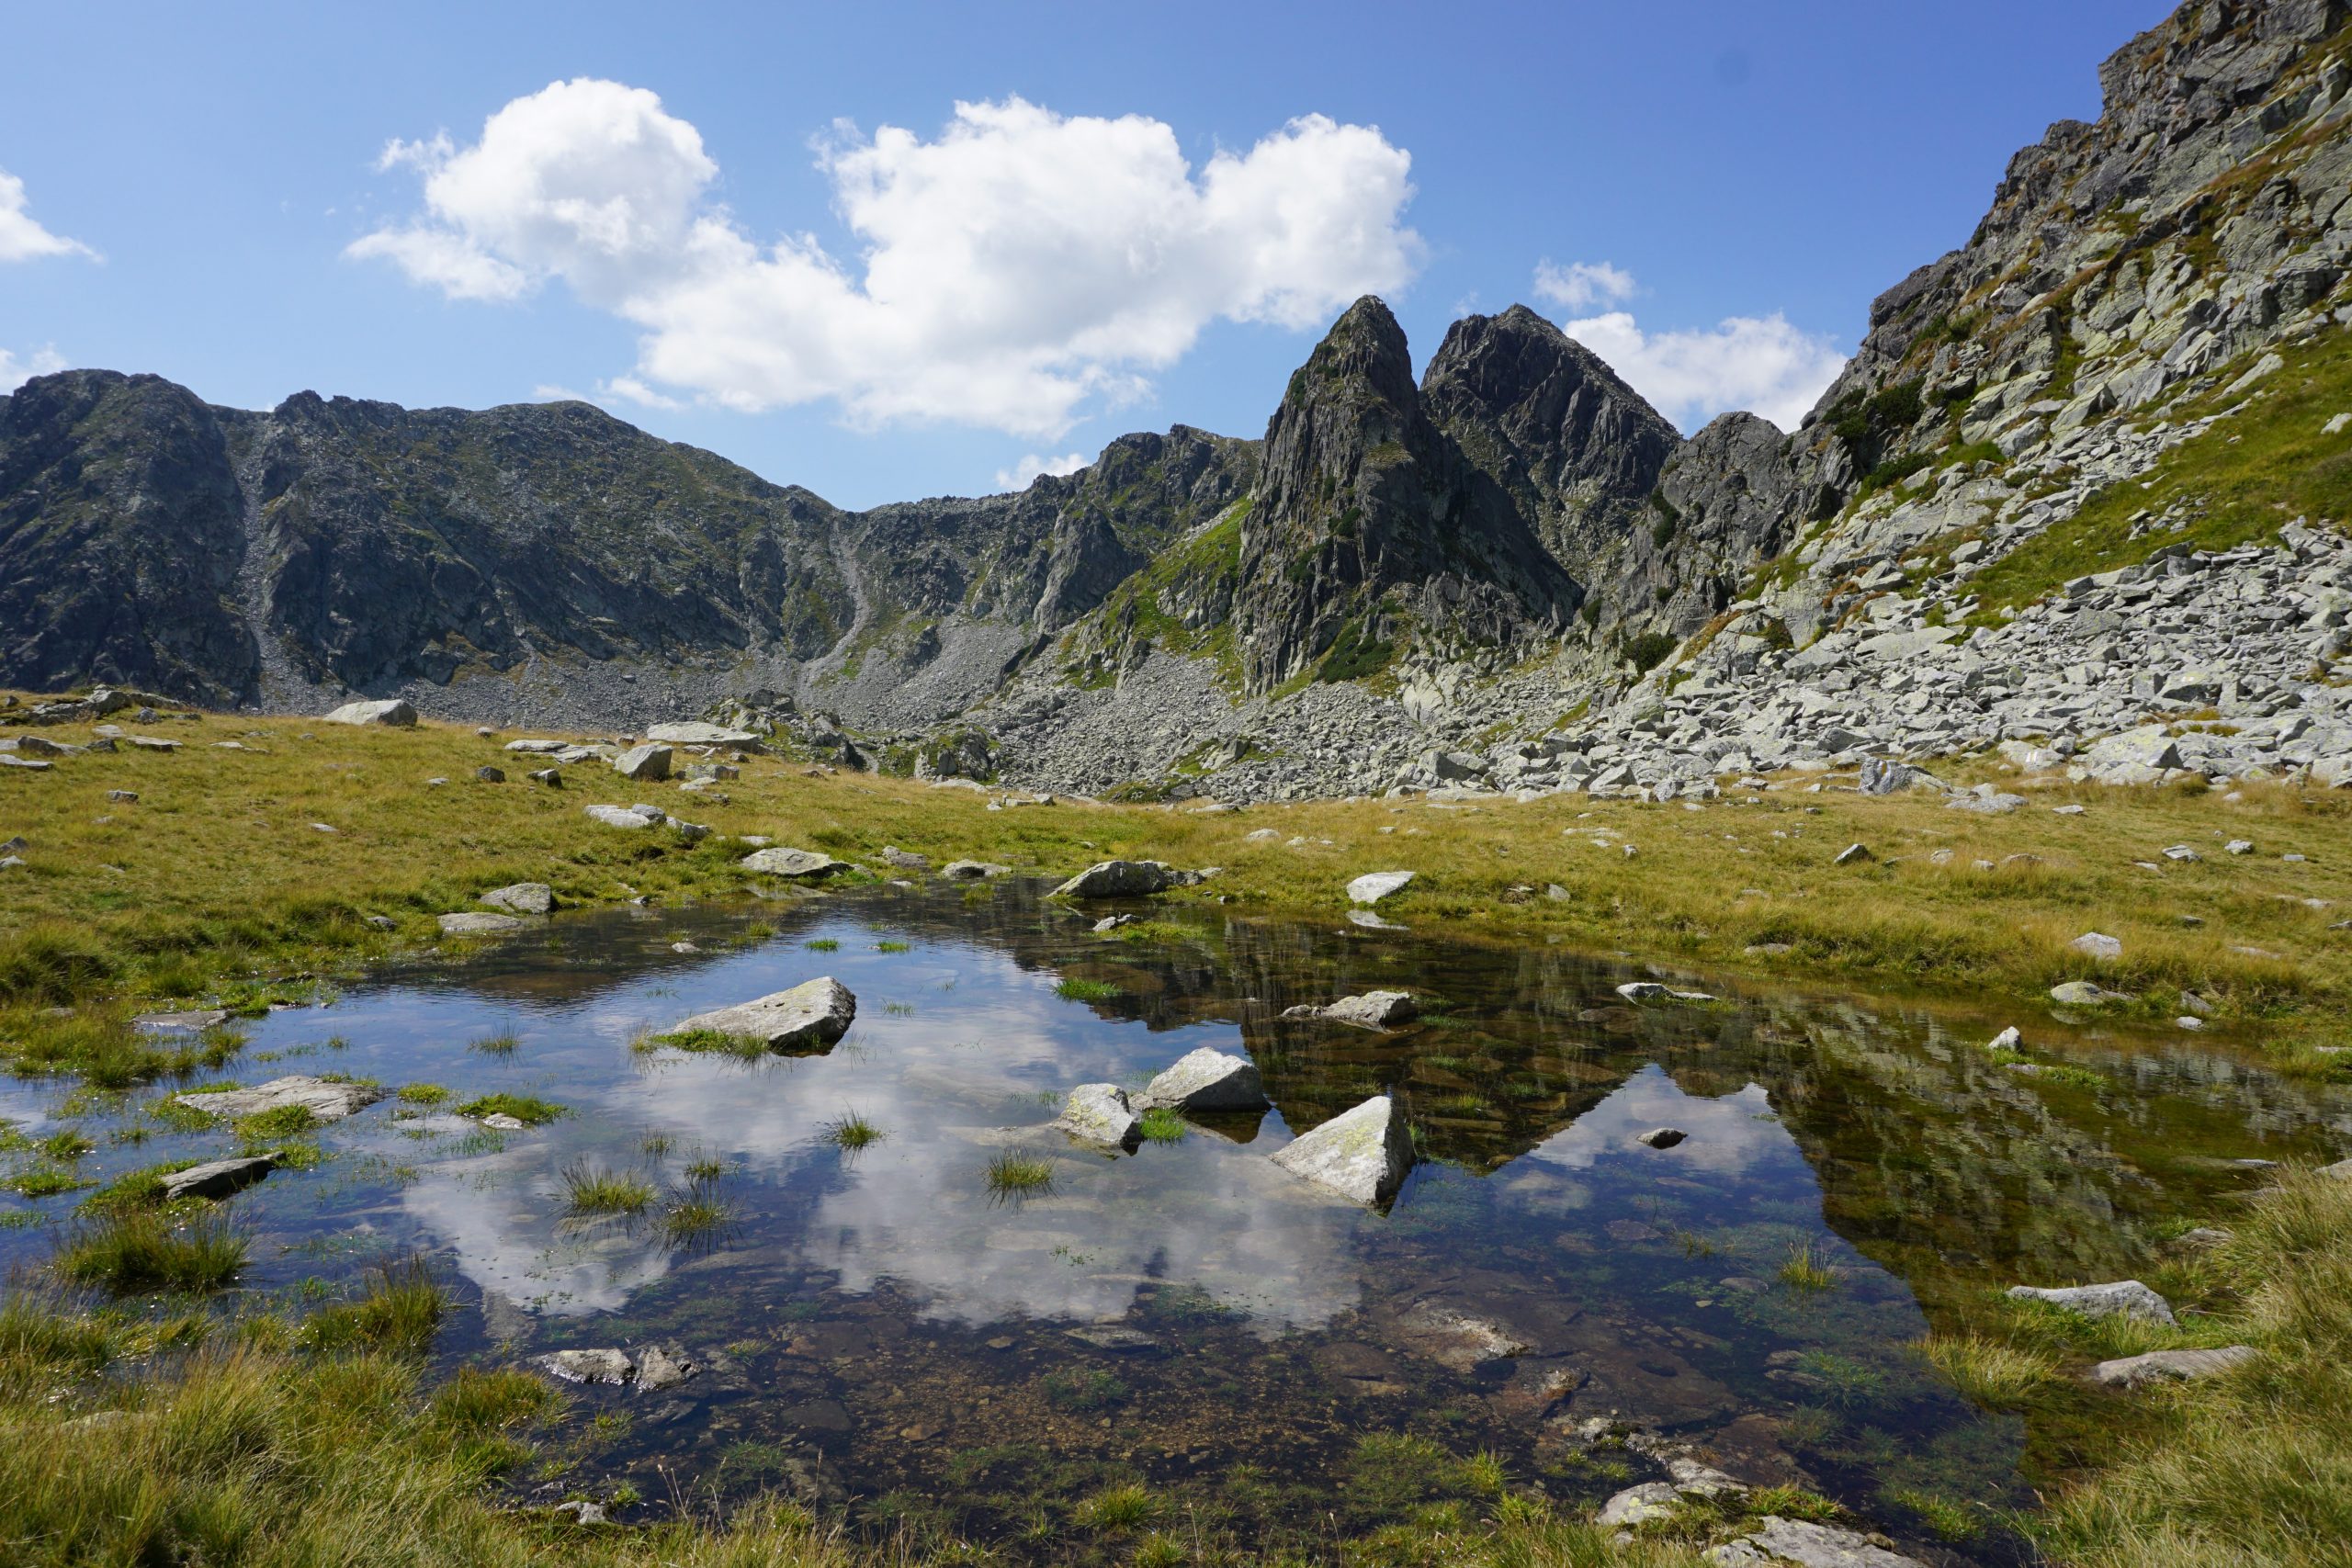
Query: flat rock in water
[(1374, 886), (1457, 1340), (815, 1012), (322, 1098), (1779, 1542), (1373, 1010), (1112, 1336), (589, 1366), (1118, 879), (659, 1369), (783, 861), (1362, 1154), (394, 711), (521, 899), (1207, 1079), (217, 1178), (474, 922), (2120, 1298), (2161, 1366), (1100, 1113), (191, 1022)]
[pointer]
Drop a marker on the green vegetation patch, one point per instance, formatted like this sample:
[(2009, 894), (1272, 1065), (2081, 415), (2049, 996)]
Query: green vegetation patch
[(529, 1112)]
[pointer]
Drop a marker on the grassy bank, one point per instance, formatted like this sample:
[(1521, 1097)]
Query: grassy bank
[(239, 874)]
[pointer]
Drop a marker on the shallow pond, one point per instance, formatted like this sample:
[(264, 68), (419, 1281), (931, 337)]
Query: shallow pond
[(874, 1329)]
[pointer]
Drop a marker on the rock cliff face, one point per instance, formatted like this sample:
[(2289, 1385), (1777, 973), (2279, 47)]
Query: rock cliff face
[(2082, 482)]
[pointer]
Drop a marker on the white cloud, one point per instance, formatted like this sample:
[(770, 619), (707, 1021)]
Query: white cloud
[(16, 372), (1024, 472), (1579, 285), (1013, 268), (1760, 363), (21, 239)]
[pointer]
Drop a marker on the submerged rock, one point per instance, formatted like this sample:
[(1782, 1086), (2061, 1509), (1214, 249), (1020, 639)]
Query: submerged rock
[(1207, 1079), (1373, 1010), (1100, 1113), (814, 1013), (194, 1022), (589, 1366), (217, 1178), (2120, 1298), (2170, 1366), (782, 861), (322, 1098), (1362, 1154), (1661, 1138), (659, 1369)]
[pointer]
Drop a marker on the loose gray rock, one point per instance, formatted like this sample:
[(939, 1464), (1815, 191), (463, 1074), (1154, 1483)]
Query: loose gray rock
[(1661, 1138), (1100, 1113), (1207, 1079), (815, 1012), (393, 711), (1779, 1542), (905, 859), (783, 862), (2170, 1366), (1851, 854), (551, 777), (1638, 1505), (631, 817), (697, 733), (486, 773), (2120, 1298), (473, 922), (323, 1098), (659, 1369), (123, 796), (972, 871), (2097, 944), (217, 1178), (1118, 879), (1373, 1010), (643, 764), (1374, 886), (1362, 1153), (2086, 993), (589, 1366), (521, 899)]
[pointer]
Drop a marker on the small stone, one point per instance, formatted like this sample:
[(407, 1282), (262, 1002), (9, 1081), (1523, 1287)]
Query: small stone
[(1374, 886), (2096, 944), (2181, 852), (488, 775), (1118, 879), (973, 871), (123, 796), (590, 1366), (1100, 1113), (1362, 1153), (2008, 1040), (328, 1099), (551, 777), (2086, 993), (2170, 1366), (499, 1122), (1373, 1010), (1661, 1138), (2239, 847), (2121, 1297), (632, 817), (660, 1369), (783, 862), (521, 899), (472, 923), (1639, 1505), (217, 1178), (1850, 854)]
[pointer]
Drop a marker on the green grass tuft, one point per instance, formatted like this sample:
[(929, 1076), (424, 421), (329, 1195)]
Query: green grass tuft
[(530, 1111), (134, 1253), (1015, 1172), (1162, 1125)]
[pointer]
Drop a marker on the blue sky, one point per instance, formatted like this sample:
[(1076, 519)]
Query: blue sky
[(1139, 224)]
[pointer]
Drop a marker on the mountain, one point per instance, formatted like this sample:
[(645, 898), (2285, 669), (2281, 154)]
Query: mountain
[(2078, 494)]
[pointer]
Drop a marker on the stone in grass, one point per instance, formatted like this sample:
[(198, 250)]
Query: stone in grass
[(1776, 1543), (815, 1012), (783, 862), (2175, 1365), (1207, 1079), (1661, 1138), (394, 713), (488, 774), (2008, 1040), (2086, 993), (217, 1178), (474, 922), (1100, 1113), (1639, 1505), (589, 1366), (551, 777), (1373, 1010), (1374, 886), (1362, 1154), (324, 1099), (2118, 1298), (973, 871), (1851, 854), (627, 815), (2097, 944), (1118, 879), (643, 764), (521, 899)]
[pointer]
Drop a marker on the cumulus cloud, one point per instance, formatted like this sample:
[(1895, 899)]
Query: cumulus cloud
[(22, 239), (16, 372), (1010, 270), (1758, 363), (1579, 285), (1025, 472)]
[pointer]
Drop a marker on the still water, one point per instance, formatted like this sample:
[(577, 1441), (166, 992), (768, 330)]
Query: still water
[(880, 1333)]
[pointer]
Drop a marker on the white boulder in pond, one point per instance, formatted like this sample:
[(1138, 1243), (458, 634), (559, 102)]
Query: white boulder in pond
[(1207, 1079), (1100, 1113), (2170, 1366), (783, 862), (521, 899), (1362, 1154), (322, 1098), (1374, 886), (2118, 1298), (477, 922), (394, 711), (1118, 879), (643, 764), (815, 1012)]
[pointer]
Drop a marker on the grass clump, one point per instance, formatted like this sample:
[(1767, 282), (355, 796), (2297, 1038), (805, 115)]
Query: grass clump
[(851, 1130), (714, 1041), (530, 1111), (1805, 1270), (1162, 1125), (399, 1314), (1116, 1509), (592, 1190), (694, 1214), (1018, 1172), (1070, 987), (41, 1181), (135, 1253), (424, 1094), (495, 1044), (894, 947), (1996, 1375), (278, 1122), (823, 945)]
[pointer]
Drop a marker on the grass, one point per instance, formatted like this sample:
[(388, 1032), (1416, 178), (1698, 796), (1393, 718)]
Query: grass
[(851, 1131), (41, 1181), (823, 945), (1017, 1172), (524, 1108), (713, 1041), (592, 1190), (495, 1044), (1162, 1125), (400, 1313), (424, 1094), (694, 1214), (132, 1252), (1997, 1375), (1805, 1270), (1070, 988), (1116, 1509)]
